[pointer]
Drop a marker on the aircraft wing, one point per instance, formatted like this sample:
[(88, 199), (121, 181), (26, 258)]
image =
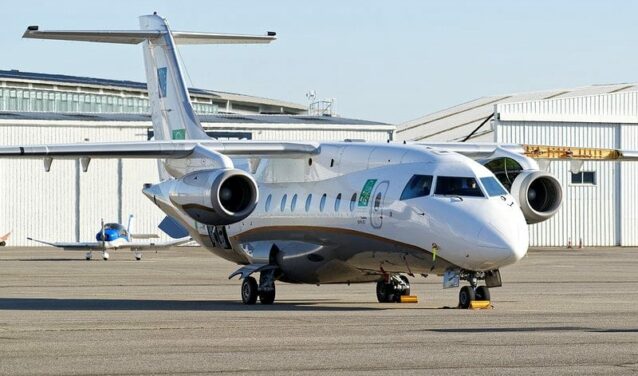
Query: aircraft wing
[(184, 148), (478, 150), (92, 246), (156, 149), (142, 246), (72, 246)]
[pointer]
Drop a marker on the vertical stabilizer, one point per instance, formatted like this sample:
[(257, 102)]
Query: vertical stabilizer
[(131, 226), (171, 109)]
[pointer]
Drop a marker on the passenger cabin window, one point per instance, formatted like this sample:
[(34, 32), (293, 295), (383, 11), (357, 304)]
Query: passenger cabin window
[(584, 178), (457, 186), (493, 187), (353, 201), (283, 202), (308, 202), (418, 186), (322, 203), (337, 202), (268, 202), (293, 202)]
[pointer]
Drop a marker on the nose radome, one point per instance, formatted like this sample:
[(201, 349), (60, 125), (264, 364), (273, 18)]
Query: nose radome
[(508, 242)]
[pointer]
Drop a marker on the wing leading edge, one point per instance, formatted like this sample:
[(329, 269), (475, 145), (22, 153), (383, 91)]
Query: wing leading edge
[(156, 149)]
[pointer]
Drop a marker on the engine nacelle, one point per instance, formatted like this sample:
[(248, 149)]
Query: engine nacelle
[(538, 193), (216, 197)]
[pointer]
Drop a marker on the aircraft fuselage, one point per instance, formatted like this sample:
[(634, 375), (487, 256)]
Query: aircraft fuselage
[(343, 216)]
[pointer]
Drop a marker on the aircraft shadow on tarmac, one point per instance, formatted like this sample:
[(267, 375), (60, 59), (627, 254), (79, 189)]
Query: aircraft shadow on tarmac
[(533, 329), (50, 304)]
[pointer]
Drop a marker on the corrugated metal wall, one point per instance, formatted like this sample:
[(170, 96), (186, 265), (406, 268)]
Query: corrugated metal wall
[(628, 188), (67, 204), (589, 212), (608, 108)]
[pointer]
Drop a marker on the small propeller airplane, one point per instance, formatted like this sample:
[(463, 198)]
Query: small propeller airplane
[(114, 236), (4, 238)]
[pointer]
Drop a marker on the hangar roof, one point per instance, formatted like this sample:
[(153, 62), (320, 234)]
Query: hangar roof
[(133, 85), (216, 118), (455, 123)]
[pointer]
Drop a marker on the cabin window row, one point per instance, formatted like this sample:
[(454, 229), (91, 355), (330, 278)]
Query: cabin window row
[(283, 204)]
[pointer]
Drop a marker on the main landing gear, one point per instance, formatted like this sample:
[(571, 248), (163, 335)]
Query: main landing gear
[(391, 289), (265, 291)]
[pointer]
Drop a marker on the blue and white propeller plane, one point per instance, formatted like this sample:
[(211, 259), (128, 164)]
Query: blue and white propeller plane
[(328, 212), (114, 236)]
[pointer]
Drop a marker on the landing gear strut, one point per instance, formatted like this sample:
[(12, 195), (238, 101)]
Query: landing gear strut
[(391, 289), (265, 291)]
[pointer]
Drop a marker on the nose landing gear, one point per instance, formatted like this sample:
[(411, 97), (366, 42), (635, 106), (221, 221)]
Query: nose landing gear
[(475, 294)]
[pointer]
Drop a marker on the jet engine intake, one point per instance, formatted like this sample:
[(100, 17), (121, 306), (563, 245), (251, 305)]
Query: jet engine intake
[(538, 193), (216, 197)]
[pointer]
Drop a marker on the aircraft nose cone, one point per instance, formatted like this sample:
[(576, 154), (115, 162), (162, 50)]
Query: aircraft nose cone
[(507, 242)]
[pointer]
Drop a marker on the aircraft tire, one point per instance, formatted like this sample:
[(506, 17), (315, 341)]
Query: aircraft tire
[(482, 293), (387, 293), (267, 297), (249, 290), (382, 292), (407, 282), (466, 296)]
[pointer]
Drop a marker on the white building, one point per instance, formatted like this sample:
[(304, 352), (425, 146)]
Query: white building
[(600, 206), (67, 204)]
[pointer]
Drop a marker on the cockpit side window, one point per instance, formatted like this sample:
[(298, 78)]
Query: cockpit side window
[(418, 186), (493, 187), (457, 186)]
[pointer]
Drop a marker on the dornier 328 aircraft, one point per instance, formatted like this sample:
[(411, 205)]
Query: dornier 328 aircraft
[(327, 212)]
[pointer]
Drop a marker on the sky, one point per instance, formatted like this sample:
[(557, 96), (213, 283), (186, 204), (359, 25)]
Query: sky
[(389, 61)]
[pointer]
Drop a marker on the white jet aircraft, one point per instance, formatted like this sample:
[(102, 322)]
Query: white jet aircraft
[(327, 212), (114, 236)]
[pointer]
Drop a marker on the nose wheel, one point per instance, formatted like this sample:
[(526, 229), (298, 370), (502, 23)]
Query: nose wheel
[(468, 294)]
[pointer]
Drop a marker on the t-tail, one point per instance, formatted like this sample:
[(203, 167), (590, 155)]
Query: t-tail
[(171, 109)]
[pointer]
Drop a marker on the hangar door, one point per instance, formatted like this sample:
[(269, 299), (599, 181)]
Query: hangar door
[(591, 206)]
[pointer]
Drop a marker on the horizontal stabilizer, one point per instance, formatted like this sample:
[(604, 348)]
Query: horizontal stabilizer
[(139, 36), (181, 37), (105, 36)]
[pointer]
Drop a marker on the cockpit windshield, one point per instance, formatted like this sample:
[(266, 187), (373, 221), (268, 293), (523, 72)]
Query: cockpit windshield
[(115, 226), (418, 186), (493, 187), (457, 186)]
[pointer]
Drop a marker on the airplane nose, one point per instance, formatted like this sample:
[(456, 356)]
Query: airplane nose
[(507, 240)]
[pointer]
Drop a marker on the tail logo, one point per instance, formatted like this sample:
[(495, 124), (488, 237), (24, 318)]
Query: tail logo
[(161, 78), (179, 134)]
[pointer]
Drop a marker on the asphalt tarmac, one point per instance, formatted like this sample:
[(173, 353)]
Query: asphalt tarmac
[(559, 312)]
